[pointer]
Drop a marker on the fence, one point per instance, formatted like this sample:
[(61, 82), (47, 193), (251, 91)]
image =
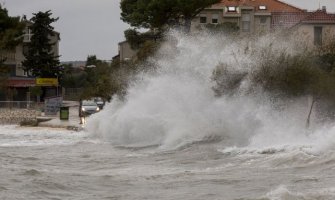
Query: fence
[(31, 105)]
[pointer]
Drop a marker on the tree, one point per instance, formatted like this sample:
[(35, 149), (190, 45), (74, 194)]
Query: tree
[(98, 81), (40, 58), (11, 29), (157, 14), (326, 53), (284, 76)]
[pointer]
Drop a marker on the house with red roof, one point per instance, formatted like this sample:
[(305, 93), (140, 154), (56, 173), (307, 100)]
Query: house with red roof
[(317, 28), (262, 16), (251, 16)]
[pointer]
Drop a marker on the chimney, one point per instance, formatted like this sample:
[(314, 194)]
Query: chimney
[(324, 8)]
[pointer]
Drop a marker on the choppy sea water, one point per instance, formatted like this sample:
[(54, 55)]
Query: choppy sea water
[(171, 137), (42, 163)]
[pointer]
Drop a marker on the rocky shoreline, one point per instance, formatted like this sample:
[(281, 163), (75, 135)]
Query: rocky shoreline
[(18, 116)]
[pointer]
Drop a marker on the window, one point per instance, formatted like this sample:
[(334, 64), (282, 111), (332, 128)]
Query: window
[(203, 19), (231, 9), (246, 22), (27, 35), (262, 20), (318, 35), (215, 18), (262, 7)]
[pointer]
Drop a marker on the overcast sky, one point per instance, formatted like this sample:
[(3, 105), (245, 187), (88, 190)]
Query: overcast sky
[(93, 27)]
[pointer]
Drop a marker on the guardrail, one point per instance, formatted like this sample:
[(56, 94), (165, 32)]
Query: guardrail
[(21, 105)]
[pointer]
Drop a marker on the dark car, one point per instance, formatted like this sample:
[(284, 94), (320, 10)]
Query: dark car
[(89, 107), (99, 102)]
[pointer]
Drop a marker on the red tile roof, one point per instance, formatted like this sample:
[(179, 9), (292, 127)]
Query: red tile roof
[(271, 5), (319, 16), (283, 15), (290, 19), (286, 19)]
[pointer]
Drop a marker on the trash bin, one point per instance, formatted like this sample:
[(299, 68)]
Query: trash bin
[(64, 113)]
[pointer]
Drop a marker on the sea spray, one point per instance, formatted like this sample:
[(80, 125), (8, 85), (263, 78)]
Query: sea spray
[(176, 104)]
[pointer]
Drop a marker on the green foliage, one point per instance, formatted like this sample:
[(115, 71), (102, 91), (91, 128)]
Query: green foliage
[(137, 39), (40, 58), (73, 77), (148, 49), (11, 30), (98, 82), (283, 76), (326, 54), (134, 38), (280, 72), (157, 14)]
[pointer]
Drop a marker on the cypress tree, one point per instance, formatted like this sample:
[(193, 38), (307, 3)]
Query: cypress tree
[(41, 61)]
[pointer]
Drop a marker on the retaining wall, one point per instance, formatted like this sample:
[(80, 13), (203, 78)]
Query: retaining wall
[(16, 116)]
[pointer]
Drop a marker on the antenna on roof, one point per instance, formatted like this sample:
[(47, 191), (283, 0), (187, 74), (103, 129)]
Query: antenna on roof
[(319, 4)]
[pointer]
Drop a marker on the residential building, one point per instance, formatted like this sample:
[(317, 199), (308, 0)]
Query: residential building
[(18, 80), (263, 16), (126, 53), (251, 16), (317, 28)]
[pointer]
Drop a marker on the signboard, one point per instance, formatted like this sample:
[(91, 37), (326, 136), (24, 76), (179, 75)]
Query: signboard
[(52, 105), (21, 82), (46, 81)]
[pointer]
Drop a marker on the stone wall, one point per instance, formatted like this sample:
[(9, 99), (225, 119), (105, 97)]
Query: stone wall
[(16, 116)]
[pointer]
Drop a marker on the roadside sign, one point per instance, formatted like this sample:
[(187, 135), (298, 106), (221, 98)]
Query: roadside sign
[(46, 81), (52, 105)]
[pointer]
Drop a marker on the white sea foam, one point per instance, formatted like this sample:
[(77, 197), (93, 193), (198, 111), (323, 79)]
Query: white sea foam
[(176, 105), (283, 193), (14, 136)]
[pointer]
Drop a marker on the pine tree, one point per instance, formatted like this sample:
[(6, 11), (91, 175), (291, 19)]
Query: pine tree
[(157, 14), (11, 30), (40, 59)]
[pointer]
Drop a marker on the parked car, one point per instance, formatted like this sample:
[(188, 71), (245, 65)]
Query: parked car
[(99, 102), (89, 107)]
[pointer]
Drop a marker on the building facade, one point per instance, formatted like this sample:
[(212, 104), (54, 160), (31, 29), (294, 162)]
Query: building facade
[(126, 53), (18, 81), (317, 28), (263, 16), (251, 16)]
